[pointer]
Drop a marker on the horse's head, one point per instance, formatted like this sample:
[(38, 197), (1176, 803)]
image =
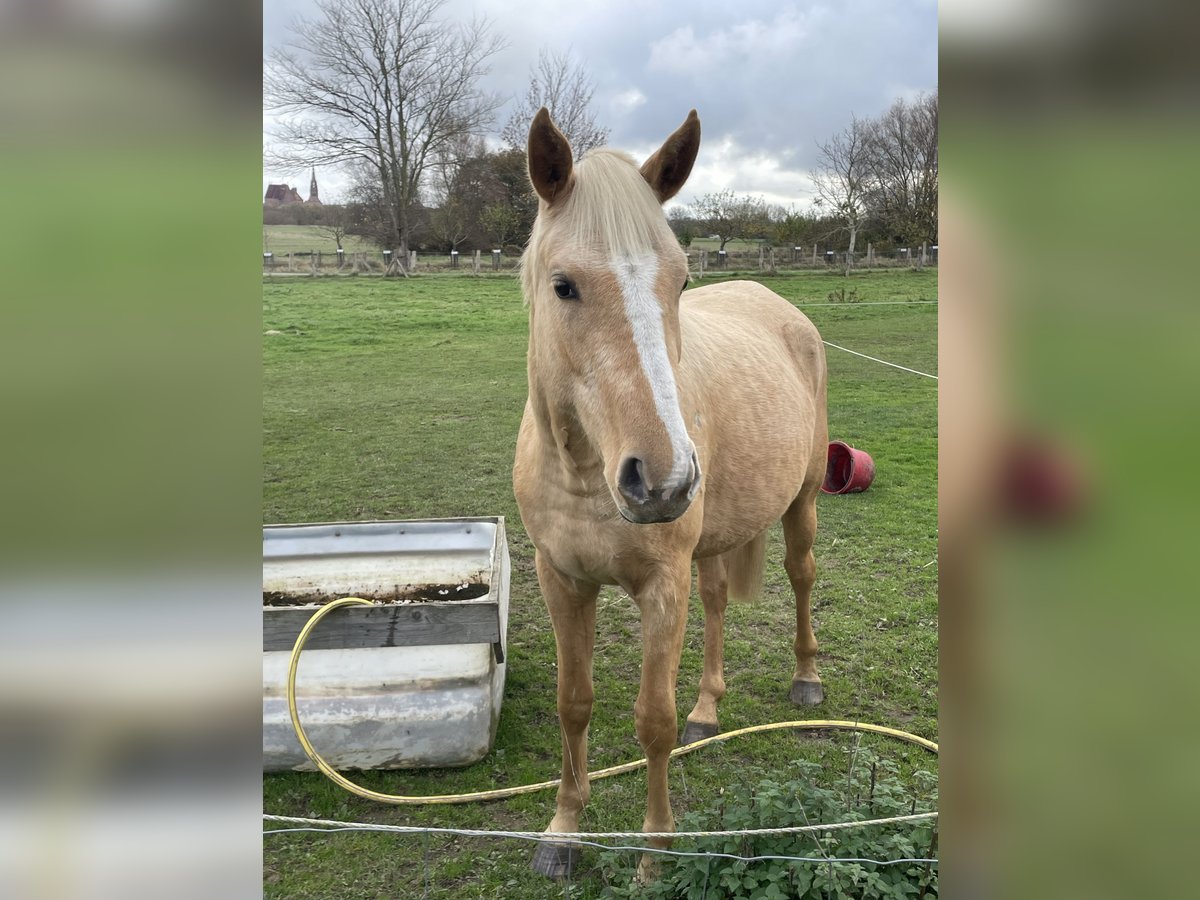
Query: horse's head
[(602, 275)]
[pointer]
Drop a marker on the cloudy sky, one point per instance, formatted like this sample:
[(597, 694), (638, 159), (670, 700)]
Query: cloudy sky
[(769, 79)]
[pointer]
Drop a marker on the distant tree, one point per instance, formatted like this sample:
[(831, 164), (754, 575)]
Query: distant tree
[(563, 87), (792, 227), (450, 223), (683, 224), (511, 171), (902, 151), (336, 220), (385, 85), (728, 216), (368, 212), (501, 223), (457, 192), (842, 180), (309, 213)]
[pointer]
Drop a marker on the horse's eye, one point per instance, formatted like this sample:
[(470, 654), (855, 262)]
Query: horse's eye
[(684, 288), (564, 290)]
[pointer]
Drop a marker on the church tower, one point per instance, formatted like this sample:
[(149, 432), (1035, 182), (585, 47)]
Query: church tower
[(312, 189)]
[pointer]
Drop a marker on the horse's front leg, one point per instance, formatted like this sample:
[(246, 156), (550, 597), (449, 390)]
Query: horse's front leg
[(572, 608), (663, 600)]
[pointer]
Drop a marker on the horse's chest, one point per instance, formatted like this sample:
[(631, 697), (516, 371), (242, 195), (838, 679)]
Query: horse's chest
[(572, 532)]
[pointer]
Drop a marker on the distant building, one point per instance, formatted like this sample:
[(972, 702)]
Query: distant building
[(282, 194)]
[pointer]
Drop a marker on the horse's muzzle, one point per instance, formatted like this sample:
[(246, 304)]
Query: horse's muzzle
[(642, 505)]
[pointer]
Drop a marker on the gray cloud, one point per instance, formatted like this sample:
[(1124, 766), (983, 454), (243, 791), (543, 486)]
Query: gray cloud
[(769, 79)]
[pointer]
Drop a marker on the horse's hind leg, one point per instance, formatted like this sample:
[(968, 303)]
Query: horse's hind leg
[(799, 530), (702, 720), (572, 608)]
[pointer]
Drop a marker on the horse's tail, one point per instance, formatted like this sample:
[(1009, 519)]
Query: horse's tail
[(744, 570)]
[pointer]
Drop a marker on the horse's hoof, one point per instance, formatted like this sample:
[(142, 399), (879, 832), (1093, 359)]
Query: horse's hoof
[(697, 731), (807, 693), (555, 861), (648, 870)]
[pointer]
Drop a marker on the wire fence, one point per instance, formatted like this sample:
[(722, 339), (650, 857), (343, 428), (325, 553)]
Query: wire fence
[(764, 258), (381, 262), (579, 836), (300, 825)]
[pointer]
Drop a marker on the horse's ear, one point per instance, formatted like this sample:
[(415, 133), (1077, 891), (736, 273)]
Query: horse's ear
[(668, 169), (549, 158)]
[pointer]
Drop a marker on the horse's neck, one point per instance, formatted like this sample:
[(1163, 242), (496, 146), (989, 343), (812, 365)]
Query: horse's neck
[(562, 437)]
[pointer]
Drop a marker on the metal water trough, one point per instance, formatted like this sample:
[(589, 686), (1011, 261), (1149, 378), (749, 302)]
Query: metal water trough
[(414, 680)]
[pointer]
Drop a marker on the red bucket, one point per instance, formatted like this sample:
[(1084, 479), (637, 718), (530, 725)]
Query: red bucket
[(847, 470)]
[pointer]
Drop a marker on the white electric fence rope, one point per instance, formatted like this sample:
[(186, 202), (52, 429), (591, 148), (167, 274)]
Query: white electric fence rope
[(576, 836), (804, 304), (861, 860), (876, 359)]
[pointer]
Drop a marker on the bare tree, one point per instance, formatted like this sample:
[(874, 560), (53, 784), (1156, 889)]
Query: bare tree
[(369, 214), (383, 83), (903, 153), (452, 159), (563, 87), (842, 179), (728, 215), (337, 219)]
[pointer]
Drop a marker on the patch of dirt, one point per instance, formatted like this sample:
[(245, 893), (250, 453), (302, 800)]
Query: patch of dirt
[(408, 593)]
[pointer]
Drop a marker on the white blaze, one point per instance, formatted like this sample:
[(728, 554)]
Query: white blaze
[(636, 276)]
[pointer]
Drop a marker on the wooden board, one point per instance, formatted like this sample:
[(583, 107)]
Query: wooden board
[(392, 625)]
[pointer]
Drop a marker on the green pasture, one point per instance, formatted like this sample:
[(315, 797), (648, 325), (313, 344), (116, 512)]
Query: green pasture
[(284, 239), (400, 398)]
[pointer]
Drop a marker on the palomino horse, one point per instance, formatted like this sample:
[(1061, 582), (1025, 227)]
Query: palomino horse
[(659, 429)]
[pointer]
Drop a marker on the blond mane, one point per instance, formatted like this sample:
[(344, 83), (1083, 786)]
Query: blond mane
[(610, 211)]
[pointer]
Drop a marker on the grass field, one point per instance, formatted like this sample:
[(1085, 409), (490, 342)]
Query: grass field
[(284, 239), (401, 399)]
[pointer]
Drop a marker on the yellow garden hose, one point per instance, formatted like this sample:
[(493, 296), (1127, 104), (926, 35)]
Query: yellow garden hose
[(337, 778)]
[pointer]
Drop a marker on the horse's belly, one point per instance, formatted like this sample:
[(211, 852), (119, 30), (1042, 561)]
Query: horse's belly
[(754, 469)]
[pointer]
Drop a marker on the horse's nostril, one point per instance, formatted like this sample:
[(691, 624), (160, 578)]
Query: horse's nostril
[(630, 481)]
